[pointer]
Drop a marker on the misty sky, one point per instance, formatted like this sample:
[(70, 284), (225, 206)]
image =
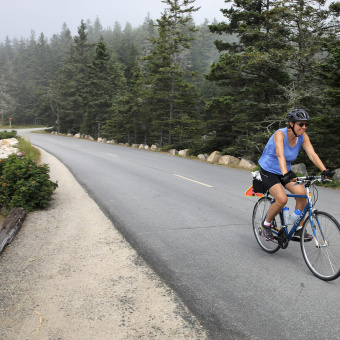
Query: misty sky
[(19, 17)]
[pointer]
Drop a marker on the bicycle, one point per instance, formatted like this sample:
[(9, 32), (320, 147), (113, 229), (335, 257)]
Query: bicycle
[(322, 252)]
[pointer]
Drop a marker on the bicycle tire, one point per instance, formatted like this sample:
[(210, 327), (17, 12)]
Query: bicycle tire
[(259, 213), (323, 260)]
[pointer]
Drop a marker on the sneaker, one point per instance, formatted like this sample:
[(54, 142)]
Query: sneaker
[(307, 236), (267, 232)]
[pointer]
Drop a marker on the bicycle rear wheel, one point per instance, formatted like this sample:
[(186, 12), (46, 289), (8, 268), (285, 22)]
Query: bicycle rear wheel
[(322, 254), (259, 214)]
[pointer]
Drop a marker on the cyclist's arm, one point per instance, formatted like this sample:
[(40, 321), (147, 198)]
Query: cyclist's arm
[(312, 155), (278, 139)]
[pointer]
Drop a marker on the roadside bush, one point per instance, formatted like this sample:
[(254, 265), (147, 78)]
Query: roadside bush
[(8, 134), (24, 183)]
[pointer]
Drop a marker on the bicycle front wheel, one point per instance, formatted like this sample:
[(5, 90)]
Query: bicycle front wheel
[(259, 214), (322, 253)]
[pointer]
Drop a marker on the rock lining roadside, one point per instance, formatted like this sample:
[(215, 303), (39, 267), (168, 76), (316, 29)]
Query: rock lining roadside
[(69, 274)]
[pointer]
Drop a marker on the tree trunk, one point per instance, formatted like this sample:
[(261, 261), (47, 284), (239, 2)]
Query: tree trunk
[(11, 226)]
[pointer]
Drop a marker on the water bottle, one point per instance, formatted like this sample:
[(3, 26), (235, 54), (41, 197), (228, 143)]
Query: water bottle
[(286, 215), (294, 216)]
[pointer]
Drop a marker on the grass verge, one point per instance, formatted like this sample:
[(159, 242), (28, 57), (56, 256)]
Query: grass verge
[(30, 151)]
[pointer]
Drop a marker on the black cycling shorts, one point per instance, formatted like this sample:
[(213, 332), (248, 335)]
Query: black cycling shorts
[(269, 179)]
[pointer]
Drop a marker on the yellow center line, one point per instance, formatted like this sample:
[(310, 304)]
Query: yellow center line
[(110, 154), (191, 180)]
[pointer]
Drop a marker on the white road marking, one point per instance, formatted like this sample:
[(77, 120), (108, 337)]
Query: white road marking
[(191, 180), (110, 154)]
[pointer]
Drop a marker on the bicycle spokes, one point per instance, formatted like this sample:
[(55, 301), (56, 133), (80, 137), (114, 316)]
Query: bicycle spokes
[(323, 255)]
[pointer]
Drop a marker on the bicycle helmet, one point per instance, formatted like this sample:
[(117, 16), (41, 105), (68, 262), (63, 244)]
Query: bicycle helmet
[(297, 115)]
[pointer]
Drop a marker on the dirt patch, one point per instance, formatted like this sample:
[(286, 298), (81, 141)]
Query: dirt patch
[(69, 274)]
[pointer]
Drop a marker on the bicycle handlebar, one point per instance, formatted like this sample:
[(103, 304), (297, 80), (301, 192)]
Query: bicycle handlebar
[(310, 179)]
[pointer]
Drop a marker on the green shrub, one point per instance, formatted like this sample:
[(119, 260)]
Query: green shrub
[(8, 134), (24, 183)]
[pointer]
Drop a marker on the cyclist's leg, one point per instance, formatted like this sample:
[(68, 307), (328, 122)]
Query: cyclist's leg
[(300, 204), (259, 212), (280, 201), (298, 190)]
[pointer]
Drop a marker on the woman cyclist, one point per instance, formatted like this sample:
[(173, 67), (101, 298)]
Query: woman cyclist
[(281, 150)]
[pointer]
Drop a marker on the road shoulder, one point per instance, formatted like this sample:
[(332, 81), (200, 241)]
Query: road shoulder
[(69, 274)]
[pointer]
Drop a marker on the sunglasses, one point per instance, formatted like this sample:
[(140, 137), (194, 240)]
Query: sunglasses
[(302, 124)]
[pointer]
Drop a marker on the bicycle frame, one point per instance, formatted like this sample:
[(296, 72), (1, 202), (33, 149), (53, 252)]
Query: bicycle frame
[(308, 209)]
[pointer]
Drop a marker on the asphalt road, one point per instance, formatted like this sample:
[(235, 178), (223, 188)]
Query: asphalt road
[(191, 221)]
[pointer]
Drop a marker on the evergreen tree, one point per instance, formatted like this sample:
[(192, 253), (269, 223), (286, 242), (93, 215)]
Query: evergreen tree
[(306, 24), (6, 52), (127, 52), (310, 24), (252, 76), (326, 125), (117, 35), (129, 121), (7, 91), (165, 71), (43, 58), (143, 36), (106, 83), (72, 83), (60, 45), (95, 31)]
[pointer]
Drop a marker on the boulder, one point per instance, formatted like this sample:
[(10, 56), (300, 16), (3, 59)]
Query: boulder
[(173, 152), (202, 157), (9, 141), (147, 147), (247, 164), (141, 146), (6, 147), (104, 140), (337, 175), (214, 157), (184, 153), (99, 140), (300, 169), (154, 147), (229, 160), (134, 146)]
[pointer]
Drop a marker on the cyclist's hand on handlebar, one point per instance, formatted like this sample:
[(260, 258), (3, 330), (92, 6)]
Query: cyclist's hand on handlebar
[(289, 177), (327, 173)]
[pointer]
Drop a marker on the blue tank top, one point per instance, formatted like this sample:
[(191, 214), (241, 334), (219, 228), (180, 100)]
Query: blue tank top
[(269, 160)]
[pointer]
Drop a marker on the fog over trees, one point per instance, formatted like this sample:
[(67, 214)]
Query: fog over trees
[(215, 86)]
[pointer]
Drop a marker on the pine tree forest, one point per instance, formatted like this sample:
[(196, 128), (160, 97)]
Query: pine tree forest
[(223, 86)]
